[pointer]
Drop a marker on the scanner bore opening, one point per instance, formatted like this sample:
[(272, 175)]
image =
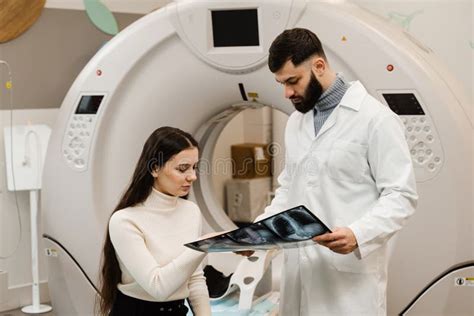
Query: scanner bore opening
[(245, 122)]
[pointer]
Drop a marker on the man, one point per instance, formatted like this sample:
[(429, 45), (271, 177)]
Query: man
[(346, 160)]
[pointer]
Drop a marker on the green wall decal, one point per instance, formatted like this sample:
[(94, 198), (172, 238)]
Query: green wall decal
[(101, 16), (403, 19), (472, 44)]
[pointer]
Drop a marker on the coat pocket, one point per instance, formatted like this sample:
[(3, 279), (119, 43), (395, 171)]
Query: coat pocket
[(350, 263), (348, 162)]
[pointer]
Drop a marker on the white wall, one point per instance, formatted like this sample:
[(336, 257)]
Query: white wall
[(18, 265)]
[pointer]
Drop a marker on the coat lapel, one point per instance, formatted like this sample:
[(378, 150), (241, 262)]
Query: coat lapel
[(331, 120), (308, 125)]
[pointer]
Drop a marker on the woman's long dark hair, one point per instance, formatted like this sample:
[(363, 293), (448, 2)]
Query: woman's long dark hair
[(161, 146)]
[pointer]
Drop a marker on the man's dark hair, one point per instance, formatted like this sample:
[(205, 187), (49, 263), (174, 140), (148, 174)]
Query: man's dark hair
[(297, 45)]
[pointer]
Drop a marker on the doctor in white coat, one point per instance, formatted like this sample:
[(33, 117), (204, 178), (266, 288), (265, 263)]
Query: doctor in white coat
[(347, 161)]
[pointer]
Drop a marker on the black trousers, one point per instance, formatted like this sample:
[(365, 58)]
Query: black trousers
[(125, 305)]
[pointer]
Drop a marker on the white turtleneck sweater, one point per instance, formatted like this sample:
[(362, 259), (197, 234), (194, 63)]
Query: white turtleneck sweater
[(148, 240)]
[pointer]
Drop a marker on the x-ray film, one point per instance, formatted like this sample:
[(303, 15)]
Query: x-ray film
[(288, 229)]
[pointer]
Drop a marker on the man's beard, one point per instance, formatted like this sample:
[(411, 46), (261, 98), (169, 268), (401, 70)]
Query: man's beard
[(311, 95)]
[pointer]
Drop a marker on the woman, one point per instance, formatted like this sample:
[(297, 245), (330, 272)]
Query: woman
[(146, 270)]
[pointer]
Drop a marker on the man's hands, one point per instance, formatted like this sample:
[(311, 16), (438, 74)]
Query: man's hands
[(342, 240)]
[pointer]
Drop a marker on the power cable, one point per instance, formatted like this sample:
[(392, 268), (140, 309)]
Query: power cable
[(9, 87)]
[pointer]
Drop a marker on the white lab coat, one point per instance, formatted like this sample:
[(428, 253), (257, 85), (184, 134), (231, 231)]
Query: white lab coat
[(357, 173)]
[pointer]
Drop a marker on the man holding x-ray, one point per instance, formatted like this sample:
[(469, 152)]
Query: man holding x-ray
[(348, 162)]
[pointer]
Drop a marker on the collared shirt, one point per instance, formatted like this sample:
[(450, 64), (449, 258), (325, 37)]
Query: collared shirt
[(328, 102)]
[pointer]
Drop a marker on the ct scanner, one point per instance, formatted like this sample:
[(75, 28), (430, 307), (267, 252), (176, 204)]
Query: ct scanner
[(191, 65)]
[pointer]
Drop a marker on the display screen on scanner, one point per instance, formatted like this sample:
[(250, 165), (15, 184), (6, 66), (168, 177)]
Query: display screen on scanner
[(287, 229), (234, 28), (89, 104), (403, 103)]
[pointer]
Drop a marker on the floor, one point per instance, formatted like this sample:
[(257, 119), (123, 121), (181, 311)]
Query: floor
[(18, 312)]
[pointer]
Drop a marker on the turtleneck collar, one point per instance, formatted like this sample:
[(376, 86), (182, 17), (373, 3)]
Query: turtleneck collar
[(160, 201), (333, 95)]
